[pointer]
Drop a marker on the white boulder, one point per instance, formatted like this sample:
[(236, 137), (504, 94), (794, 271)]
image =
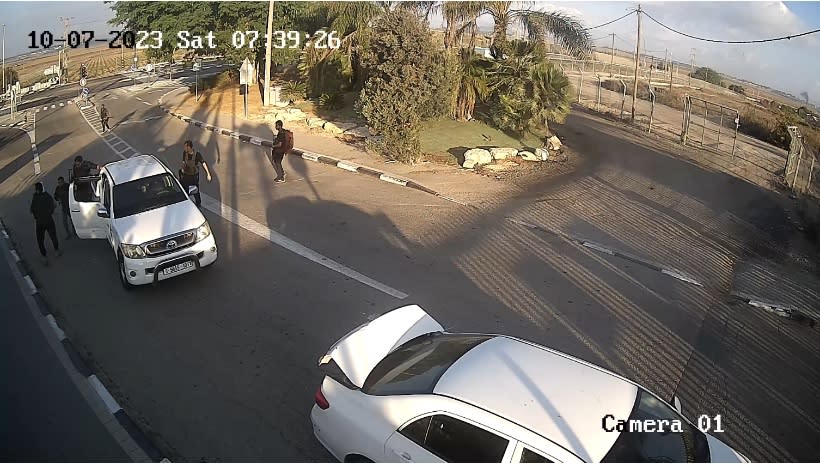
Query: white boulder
[(334, 127), (502, 153), (315, 122), (554, 143), (528, 156), (479, 156)]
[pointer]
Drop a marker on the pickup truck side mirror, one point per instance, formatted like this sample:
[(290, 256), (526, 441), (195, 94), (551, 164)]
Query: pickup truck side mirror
[(676, 403), (102, 212)]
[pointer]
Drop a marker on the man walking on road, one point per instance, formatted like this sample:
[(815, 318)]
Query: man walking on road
[(42, 207), (281, 147), (189, 172), (104, 116), (61, 196)]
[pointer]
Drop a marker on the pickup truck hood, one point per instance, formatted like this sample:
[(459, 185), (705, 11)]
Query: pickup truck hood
[(159, 222)]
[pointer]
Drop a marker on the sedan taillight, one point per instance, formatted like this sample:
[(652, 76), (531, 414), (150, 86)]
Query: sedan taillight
[(320, 399)]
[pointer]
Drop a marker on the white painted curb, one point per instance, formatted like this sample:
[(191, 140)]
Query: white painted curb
[(53, 323), (347, 166), (391, 179), (108, 400)]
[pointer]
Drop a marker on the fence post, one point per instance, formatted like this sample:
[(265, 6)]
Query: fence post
[(652, 108), (623, 100), (705, 114), (598, 97), (720, 127), (811, 171), (580, 85), (737, 125)]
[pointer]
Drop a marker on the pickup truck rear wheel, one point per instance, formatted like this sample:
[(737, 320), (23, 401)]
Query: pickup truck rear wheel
[(123, 280)]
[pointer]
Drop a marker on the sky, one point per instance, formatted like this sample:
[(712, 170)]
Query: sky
[(792, 66)]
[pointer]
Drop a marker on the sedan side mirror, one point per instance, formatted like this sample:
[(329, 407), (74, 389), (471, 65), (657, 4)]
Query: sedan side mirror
[(102, 212), (676, 403)]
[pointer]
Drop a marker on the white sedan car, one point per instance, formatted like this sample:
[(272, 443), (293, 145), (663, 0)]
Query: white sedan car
[(400, 389)]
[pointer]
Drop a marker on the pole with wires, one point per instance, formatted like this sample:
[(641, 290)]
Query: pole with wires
[(637, 56)]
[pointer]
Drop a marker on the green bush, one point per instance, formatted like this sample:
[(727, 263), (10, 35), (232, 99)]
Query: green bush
[(736, 88), (332, 101), (294, 91)]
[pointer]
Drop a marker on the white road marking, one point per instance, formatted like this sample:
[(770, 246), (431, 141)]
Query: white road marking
[(147, 103), (388, 178), (31, 287), (274, 237), (347, 166), (597, 247), (37, 169), (681, 276), (53, 323), (105, 396)]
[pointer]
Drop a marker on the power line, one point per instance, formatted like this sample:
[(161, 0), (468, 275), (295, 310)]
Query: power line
[(610, 22), (774, 39)]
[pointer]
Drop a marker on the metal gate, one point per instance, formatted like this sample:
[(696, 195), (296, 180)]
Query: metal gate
[(799, 163), (705, 129)]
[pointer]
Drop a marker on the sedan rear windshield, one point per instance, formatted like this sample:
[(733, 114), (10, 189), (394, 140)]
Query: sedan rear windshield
[(146, 194), (690, 445), (416, 366)]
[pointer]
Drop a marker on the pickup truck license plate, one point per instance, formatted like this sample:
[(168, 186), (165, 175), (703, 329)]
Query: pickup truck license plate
[(176, 269)]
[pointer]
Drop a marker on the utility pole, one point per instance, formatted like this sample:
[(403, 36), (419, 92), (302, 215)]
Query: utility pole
[(612, 55), (637, 56), (692, 68), (666, 60), (266, 99), (4, 58), (66, 23)]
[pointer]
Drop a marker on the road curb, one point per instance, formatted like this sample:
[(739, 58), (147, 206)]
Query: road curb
[(345, 165), (79, 363)]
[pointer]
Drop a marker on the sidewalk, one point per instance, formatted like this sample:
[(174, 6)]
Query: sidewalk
[(455, 182)]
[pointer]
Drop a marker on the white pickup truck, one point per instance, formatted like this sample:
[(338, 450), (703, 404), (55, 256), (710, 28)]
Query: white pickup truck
[(153, 227)]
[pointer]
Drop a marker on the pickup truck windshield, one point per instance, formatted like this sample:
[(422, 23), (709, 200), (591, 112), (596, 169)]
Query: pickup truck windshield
[(146, 194)]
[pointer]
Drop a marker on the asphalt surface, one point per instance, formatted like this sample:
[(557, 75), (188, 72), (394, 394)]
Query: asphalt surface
[(221, 364), (45, 418)]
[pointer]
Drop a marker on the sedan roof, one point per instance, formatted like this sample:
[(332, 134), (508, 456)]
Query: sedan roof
[(547, 392), (133, 168)]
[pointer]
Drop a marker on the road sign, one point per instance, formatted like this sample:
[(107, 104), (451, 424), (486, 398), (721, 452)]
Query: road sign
[(82, 82), (246, 72), (85, 92)]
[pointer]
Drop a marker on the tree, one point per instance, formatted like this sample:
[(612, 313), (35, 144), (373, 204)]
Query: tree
[(707, 74), (11, 77), (737, 88), (528, 92), (473, 84), (403, 70)]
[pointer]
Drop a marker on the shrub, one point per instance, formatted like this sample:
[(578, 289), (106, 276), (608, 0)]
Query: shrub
[(736, 88), (403, 72), (294, 91), (332, 101), (707, 74)]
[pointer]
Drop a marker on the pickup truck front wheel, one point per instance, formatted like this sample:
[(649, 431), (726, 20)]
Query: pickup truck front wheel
[(123, 279)]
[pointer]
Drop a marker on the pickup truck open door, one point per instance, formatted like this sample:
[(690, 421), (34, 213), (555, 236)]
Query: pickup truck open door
[(84, 205)]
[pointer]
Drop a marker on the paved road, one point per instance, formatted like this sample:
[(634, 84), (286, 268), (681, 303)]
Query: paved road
[(45, 418), (220, 365)]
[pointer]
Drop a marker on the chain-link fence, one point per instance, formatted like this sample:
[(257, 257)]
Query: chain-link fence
[(704, 128)]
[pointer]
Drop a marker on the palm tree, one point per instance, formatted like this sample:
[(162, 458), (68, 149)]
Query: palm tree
[(528, 92), (472, 86)]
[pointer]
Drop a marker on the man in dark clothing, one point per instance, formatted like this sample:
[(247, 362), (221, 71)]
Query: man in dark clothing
[(189, 171), (281, 146), (61, 196), (104, 116), (42, 207), (82, 168)]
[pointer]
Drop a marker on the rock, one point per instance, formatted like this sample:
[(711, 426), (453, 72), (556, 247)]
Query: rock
[(542, 154), (360, 132), (528, 156), (315, 122), (480, 156), (501, 153), (338, 128), (469, 164), (554, 143)]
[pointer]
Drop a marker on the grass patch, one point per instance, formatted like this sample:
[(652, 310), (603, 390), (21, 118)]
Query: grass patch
[(447, 140)]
